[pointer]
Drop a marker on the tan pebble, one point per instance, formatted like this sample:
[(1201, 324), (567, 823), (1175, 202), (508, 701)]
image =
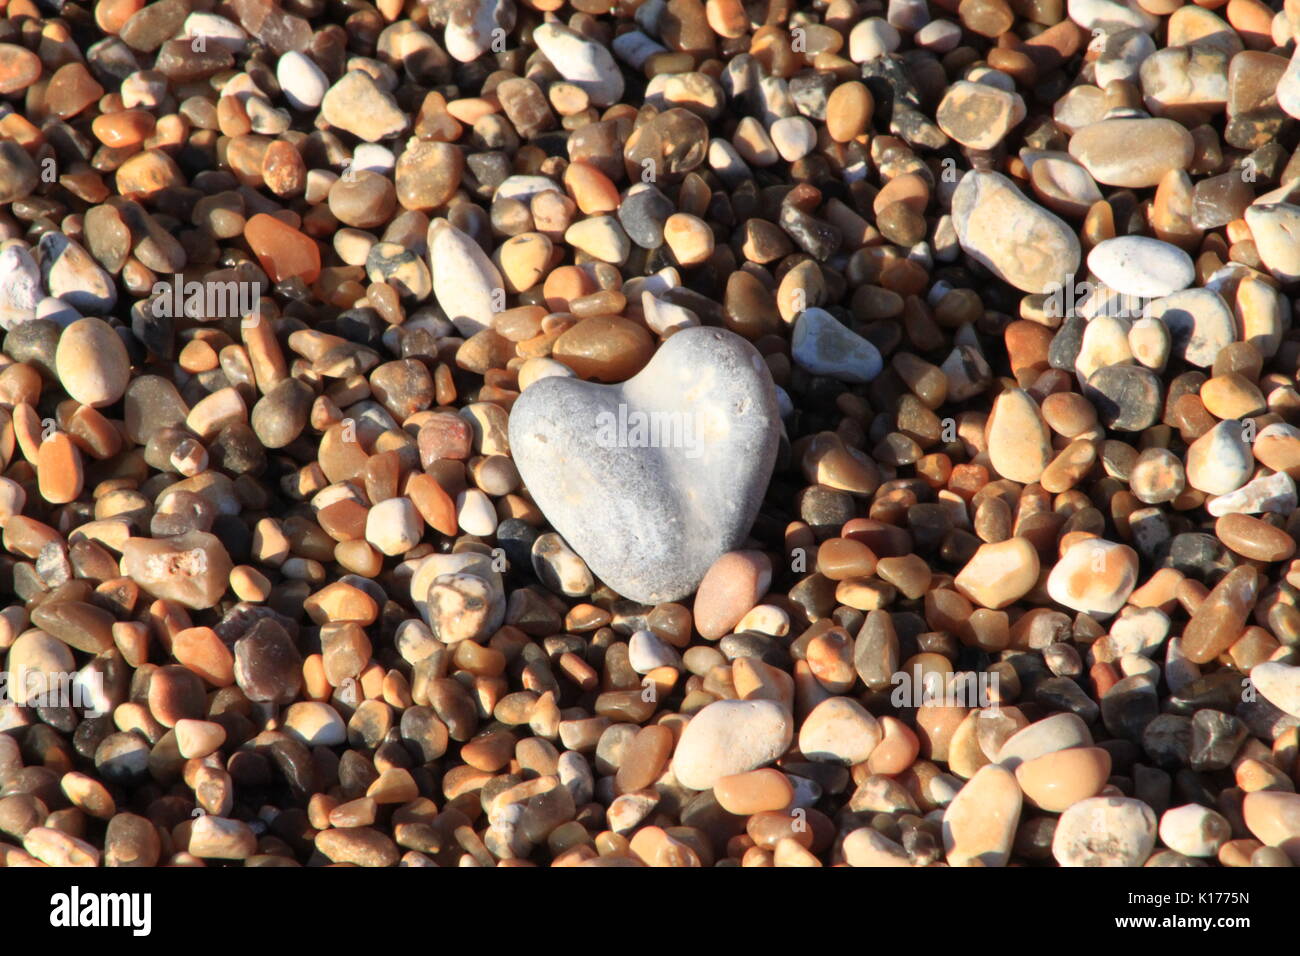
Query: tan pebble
[(1056, 781), (848, 111), (198, 738), (88, 795), (220, 838), (897, 750), (92, 362), (689, 238), (999, 574), (867, 847), (1019, 443), (754, 792), (839, 729), (731, 587), (56, 848), (1274, 818), (1254, 538), (250, 584), (980, 824)]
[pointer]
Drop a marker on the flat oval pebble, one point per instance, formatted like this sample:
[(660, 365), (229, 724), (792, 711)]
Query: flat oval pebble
[(729, 737), (303, 82), (1132, 153), (1141, 266), (1056, 781), (754, 791), (92, 362)]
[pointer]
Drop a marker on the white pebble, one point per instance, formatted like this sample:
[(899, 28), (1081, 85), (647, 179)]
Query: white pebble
[(475, 514), (303, 82), (1141, 266), (394, 526), (871, 39)]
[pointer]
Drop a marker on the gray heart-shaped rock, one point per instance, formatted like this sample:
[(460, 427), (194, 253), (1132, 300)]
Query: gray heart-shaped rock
[(651, 480)]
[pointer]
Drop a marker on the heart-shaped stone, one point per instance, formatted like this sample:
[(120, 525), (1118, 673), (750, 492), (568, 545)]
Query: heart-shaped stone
[(652, 479)]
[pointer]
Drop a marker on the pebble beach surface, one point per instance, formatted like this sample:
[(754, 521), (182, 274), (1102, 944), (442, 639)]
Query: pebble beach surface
[(669, 433)]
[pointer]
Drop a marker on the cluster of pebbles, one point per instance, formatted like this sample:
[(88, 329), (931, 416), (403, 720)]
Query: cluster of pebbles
[(974, 542)]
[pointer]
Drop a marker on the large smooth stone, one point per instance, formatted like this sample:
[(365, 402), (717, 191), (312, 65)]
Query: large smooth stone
[(1013, 237), (1094, 576), (36, 662), (729, 737), (651, 480)]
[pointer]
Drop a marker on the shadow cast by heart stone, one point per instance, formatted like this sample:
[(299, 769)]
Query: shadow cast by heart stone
[(652, 479)]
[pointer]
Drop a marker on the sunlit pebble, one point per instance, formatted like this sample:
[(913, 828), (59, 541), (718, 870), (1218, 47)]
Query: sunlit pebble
[(891, 446)]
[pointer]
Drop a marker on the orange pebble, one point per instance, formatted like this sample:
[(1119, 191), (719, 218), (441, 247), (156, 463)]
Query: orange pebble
[(284, 252)]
